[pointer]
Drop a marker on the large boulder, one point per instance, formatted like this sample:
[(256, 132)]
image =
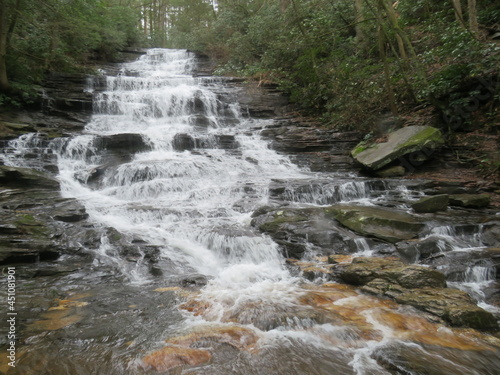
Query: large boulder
[(408, 140), (383, 223)]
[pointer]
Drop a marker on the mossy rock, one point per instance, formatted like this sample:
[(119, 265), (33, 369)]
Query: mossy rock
[(402, 142), (386, 224)]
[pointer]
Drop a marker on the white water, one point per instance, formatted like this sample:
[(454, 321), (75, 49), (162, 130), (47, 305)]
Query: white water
[(193, 204)]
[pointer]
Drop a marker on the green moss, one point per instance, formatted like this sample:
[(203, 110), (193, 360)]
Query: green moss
[(429, 134), (273, 226), (31, 226)]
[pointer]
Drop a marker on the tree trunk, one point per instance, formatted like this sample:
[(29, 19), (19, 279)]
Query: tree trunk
[(457, 6), (387, 73), (360, 27), (473, 24), (4, 31)]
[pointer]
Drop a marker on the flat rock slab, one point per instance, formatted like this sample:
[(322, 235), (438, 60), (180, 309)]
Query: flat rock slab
[(399, 143), (386, 224)]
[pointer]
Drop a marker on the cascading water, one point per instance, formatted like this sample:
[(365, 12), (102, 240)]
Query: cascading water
[(193, 172)]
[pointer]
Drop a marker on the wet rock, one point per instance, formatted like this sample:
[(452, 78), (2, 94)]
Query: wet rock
[(454, 306), (491, 236), (394, 171), (297, 229), (431, 204), (413, 251), (183, 142), (408, 140), (386, 224), (236, 336), (417, 286), (129, 142), (470, 200), (364, 270), (70, 211), (172, 356), (26, 178)]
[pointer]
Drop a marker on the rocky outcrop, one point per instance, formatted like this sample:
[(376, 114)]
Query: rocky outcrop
[(412, 139), (417, 286), (386, 224), (308, 145), (36, 223)]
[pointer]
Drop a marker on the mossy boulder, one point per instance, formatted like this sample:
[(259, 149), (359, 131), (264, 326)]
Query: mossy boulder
[(402, 142), (387, 224), (431, 204), (470, 200)]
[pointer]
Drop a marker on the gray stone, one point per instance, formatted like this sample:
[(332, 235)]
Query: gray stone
[(470, 200), (430, 204), (399, 143)]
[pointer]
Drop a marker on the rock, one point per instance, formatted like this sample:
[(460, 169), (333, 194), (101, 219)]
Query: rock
[(172, 356), (363, 270), (26, 178), (418, 286), (408, 140), (297, 229), (386, 224), (430, 204), (394, 171), (183, 142), (470, 200), (128, 142), (413, 251), (454, 306)]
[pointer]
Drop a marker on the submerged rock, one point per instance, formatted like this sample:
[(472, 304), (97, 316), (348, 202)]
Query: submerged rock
[(172, 356), (430, 204), (387, 224), (408, 140)]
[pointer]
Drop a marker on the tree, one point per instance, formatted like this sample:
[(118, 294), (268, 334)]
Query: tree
[(9, 11)]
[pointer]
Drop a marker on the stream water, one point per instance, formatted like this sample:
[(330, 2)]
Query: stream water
[(197, 171)]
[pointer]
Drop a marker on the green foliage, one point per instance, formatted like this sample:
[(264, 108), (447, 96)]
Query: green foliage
[(65, 36)]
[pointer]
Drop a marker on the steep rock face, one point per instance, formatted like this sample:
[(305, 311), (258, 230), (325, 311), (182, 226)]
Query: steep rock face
[(386, 224), (412, 139)]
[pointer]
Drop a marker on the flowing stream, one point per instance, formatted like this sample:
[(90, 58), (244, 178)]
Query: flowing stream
[(196, 171)]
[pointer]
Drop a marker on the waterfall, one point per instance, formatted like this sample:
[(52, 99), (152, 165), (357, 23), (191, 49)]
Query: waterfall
[(195, 176)]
